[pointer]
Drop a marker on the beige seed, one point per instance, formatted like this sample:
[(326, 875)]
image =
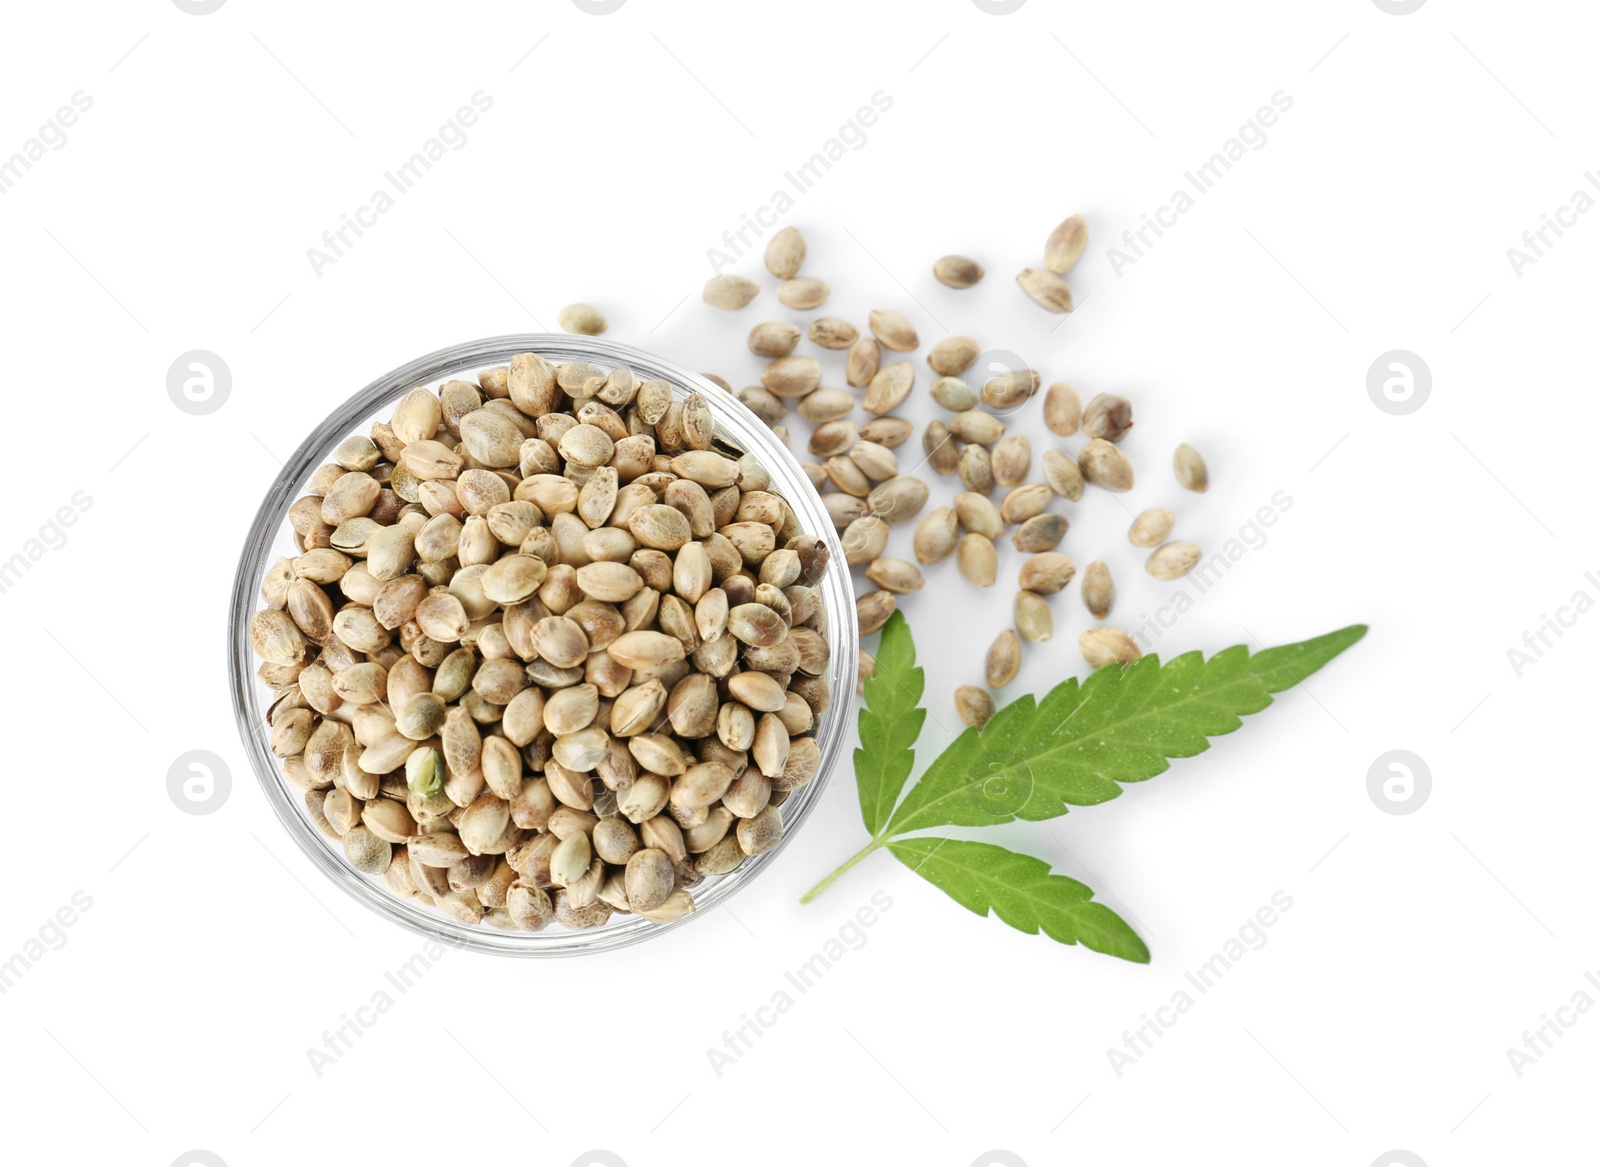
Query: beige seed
[(1151, 527), (1063, 411), (973, 425), (785, 252), (1046, 573), (662, 528), (1066, 244), (729, 291), (1098, 590), (767, 406), (792, 376), (826, 405), (1106, 466), (832, 332), (864, 540), (895, 575), (775, 338), (974, 705), (898, 498), (1190, 469), (611, 583), (1173, 560), (491, 438), (802, 294), (977, 514), (569, 861), (873, 611), (581, 319), (953, 356), (889, 387), (416, 418), (940, 448), (1062, 473), (644, 649), (1024, 502), (758, 690), (1010, 459), (1046, 289), (847, 476), (1108, 416), (936, 535), (893, 330), (973, 465), (760, 834), (875, 461), (1010, 389), (862, 363), (1032, 616), (833, 437), (1106, 645), (953, 394), (649, 879), (957, 271), (513, 579), (1040, 533), (887, 432), (366, 852), (975, 556), (1003, 659)]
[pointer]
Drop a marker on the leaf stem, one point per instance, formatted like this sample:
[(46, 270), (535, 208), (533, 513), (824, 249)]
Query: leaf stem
[(841, 869)]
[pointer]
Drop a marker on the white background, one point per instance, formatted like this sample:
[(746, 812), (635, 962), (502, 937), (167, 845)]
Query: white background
[(178, 1011)]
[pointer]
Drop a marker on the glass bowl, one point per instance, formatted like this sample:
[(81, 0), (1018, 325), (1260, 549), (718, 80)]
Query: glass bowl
[(271, 536)]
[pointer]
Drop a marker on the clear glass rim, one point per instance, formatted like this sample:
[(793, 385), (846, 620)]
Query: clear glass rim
[(735, 425)]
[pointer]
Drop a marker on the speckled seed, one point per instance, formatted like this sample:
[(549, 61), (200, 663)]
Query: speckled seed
[(940, 448), (1065, 245), (832, 332), (1063, 411), (862, 363), (975, 556), (953, 356), (1046, 573), (1032, 616), (760, 833), (1098, 590), (973, 425), (1151, 527), (1046, 289), (974, 468), (953, 394), (774, 338), (889, 387), (892, 329), (936, 535), (1024, 502), (649, 879), (1010, 388), (899, 498), (729, 291), (1190, 469), (581, 319), (895, 575), (1010, 459), (1108, 416), (957, 271), (974, 705), (785, 252), (1106, 645), (802, 294), (873, 611), (1172, 560), (1062, 473), (1003, 659), (1040, 533), (833, 437), (1106, 466)]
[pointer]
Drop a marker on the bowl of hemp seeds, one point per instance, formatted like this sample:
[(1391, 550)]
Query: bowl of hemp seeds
[(542, 645)]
